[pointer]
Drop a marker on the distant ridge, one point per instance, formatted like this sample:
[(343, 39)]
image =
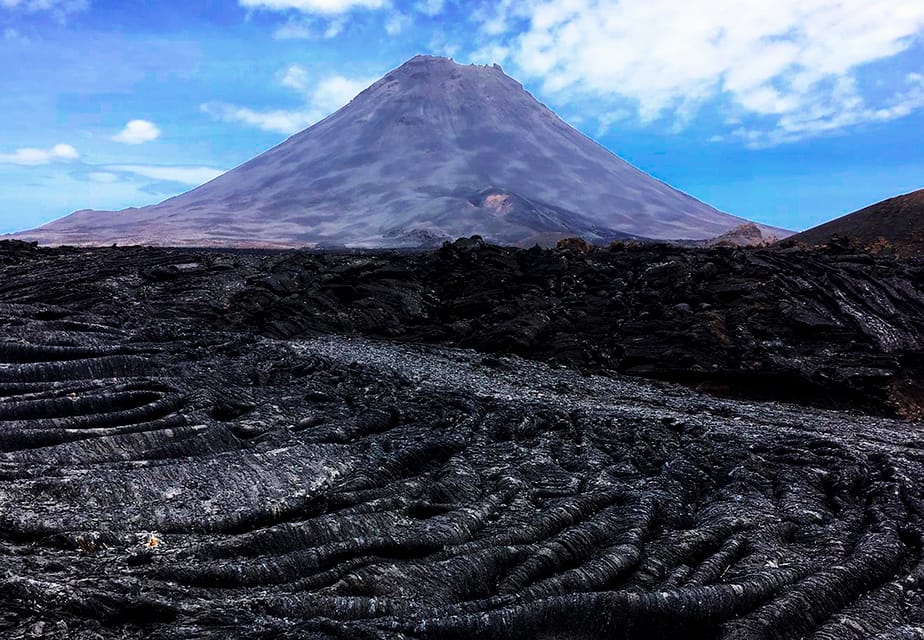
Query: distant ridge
[(432, 151), (898, 221)]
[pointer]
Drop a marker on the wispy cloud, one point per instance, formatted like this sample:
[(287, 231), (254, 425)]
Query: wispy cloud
[(13, 35), (276, 120), (441, 44), (321, 98), (842, 107), (430, 7), (489, 54), (307, 28), (325, 7), (28, 156), (103, 177), (796, 65), (59, 8), (137, 132), (183, 175), (396, 23), (296, 77)]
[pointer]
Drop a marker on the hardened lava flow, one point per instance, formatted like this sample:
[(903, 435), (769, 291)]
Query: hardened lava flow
[(214, 445)]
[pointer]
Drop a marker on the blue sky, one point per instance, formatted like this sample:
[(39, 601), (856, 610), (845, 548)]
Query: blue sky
[(790, 112)]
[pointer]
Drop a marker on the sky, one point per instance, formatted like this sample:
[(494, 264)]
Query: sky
[(788, 112)]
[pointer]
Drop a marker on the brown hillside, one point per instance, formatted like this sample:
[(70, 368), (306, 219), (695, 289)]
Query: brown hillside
[(899, 221)]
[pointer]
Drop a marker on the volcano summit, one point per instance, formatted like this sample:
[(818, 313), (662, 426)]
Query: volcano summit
[(434, 150)]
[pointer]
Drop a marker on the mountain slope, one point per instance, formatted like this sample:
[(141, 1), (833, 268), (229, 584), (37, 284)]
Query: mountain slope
[(899, 221), (433, 150)]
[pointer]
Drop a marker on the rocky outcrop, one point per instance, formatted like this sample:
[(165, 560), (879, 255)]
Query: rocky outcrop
[(744, 235)]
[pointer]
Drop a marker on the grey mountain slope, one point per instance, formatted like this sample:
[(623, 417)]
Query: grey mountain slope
[(432, 150)]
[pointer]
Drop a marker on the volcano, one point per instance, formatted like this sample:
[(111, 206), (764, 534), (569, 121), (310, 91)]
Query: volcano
[(432, 151)]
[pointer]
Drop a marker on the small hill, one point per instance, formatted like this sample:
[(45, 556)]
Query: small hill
[(898, 222)]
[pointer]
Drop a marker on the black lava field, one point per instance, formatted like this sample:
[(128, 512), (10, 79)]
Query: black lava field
[(476, 442)]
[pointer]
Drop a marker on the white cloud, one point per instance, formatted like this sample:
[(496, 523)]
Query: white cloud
[(608, 119), (496, 20), (326, 7), (430, 7), (13, 35), (489, 54), (396, 23), (277, 120), (33, 157), (843, 108), (335, 91), (57, 7), (310, 29), (441, 44), (64, 152), (296, 77), (295, 30), (793, 63), (103, 177), (321, 99), (185, 175), (137, 132), (334, 28)]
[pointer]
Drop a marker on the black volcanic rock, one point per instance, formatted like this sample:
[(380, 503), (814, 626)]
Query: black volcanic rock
[(835, 330), (897, 222), (171, 469), (432, 151)]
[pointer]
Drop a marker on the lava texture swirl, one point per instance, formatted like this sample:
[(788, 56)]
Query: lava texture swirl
[(169, 469)]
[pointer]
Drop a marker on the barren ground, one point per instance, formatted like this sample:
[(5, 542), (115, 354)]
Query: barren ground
[(202, 445)]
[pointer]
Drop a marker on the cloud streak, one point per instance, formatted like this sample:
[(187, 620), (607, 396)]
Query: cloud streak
[(30, 157), (59, 10), (321, 99), (310, 29), (324, 7), (65, 6), (430, 7), (185, 175)]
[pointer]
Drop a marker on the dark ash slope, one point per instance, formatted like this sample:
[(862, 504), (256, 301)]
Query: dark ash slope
[(433, 150), (898, 221)]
